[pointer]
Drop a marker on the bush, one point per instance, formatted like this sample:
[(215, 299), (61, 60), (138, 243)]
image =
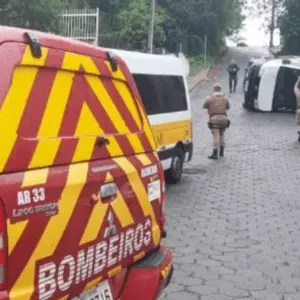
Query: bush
[(197, 63)]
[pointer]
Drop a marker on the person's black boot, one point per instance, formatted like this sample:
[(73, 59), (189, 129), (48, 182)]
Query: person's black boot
[(214, 154), (298, 136), (221, 151)]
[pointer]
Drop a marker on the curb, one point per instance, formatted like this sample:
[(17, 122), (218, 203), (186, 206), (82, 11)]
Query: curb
[(211, 71)]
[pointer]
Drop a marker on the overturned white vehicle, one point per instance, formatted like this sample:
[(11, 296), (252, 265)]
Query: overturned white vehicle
[(269, 86)]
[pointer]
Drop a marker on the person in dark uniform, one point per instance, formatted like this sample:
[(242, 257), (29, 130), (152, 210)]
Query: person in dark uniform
[(233, 70)]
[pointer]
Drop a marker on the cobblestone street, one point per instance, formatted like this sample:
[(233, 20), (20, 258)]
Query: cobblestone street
[(234, 223)]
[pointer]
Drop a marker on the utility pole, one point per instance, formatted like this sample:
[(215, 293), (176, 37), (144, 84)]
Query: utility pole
[(272, 25), (205, 50), (151, 30)]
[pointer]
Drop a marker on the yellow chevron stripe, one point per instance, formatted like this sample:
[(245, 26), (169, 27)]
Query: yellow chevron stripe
[(118, 74), (137, 185), (87, 128), (15, 231), (49, 146), (77, 177), (73, 62), (129, 101), (144, 159), (107, 103), (147, 128), (30, 60), (11, 111), (134, 140), (35, 177), (56, 104), (119, 207)]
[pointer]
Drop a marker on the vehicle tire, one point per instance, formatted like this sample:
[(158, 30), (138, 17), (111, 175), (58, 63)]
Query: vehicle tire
[(173, 175)]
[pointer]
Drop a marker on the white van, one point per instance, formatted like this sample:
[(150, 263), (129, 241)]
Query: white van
[(270, 85), (161, 82)]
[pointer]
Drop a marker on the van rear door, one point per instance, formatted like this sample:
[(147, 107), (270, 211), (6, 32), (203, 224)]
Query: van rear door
[(80, 184)]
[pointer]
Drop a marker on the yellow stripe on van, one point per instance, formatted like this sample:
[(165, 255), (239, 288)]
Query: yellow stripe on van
[(129, 101), (30, 60), (73, 62), (76, 180), (95, 222), (115, 74), (49, 146), (107, 103), (15, 232), (137, 185), (172, 133), (88, 126), (144, 159), (35, 177), (12, 111), (56, 104), (147, 128)]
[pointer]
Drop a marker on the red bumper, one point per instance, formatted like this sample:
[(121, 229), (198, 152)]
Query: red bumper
[(147, 279)]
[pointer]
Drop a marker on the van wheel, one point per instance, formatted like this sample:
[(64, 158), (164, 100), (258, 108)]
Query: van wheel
[(173, 175)]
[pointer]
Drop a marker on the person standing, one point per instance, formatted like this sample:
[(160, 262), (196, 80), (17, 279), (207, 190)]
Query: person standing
[(297, 94), (217, 105), (233, 70)]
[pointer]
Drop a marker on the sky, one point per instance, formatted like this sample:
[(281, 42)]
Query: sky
[(255, 35)]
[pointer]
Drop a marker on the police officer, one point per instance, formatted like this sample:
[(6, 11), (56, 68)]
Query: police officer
[(297, 94), (233, 70), (217, 104)]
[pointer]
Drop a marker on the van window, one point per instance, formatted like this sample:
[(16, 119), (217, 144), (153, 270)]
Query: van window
[(69, 104), (161, 93), (284, 97)]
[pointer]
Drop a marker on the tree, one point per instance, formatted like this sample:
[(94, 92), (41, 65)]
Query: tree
[(134, 24), (196, 18), (289, 24), (37, 14)]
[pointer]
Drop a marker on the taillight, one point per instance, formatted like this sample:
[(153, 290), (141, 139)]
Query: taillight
[(163, 202), (3, 248)]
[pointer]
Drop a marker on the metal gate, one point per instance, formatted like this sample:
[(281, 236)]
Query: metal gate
[(81, 24)]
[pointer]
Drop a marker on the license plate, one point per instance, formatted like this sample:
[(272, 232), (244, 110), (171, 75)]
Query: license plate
[(101, 292)]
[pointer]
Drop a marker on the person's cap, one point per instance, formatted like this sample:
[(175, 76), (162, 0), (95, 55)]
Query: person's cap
[(217, 86)]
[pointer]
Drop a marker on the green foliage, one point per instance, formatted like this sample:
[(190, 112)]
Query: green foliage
[(128, 21), (197, 63), (134, 22), (35, 14), (289, 24)]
